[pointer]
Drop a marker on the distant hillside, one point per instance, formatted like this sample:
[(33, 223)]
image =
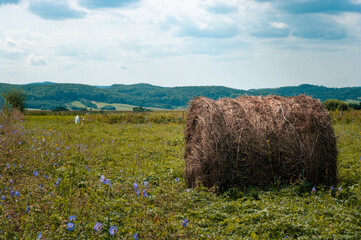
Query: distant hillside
[(319, 92), (49, 95)]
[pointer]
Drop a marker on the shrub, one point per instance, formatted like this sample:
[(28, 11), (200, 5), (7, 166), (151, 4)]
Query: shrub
[(138, 109), (334, 104), (60, 109), (16, 98), (108, 107)]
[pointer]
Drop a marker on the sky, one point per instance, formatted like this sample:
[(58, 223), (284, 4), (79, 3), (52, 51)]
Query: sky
[(243, 44)]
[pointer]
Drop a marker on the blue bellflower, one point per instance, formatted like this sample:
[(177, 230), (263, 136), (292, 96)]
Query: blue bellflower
[(70, 226), (112, 230)]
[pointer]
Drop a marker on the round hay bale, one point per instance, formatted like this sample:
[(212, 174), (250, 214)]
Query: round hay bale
[(255, 141)]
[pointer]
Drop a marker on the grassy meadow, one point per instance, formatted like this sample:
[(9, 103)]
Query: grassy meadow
[(120, 176)]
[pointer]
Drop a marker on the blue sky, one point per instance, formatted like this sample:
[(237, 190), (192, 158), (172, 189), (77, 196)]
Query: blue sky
[(242, 44)]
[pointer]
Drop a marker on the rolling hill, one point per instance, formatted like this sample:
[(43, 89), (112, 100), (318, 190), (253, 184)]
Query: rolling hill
[(49, 95)]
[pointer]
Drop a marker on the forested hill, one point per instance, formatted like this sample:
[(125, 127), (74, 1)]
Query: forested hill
[(319, 92), (50, 95)]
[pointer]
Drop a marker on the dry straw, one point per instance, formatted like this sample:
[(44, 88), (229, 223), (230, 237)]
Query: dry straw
[(259, 140)]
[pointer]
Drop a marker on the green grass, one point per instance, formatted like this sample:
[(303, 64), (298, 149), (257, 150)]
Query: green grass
[(123, 107), (77, 104), (128, 152), (118, 106)]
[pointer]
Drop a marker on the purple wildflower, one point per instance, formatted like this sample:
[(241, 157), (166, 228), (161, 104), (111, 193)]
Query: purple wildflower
[(70, 226), (145, 194), (184, 222), (98, 227), (112, 230), (102, 178), (108, 182)]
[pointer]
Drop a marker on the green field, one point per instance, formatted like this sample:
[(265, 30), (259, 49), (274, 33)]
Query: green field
[(52, 169), (118, 106)]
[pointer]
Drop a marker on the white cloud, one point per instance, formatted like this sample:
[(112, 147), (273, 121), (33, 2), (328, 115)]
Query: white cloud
[(95, 38), (10, 43), (36, 60), (280, 25)]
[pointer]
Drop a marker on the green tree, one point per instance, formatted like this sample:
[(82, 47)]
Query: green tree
[(342, 106), (60, 109), (16, 98), (108, 107), (334, 104), (138, 109)]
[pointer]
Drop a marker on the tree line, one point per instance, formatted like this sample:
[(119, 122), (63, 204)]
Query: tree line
[(51, 95)]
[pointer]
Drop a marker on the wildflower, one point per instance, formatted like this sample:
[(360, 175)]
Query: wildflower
[(188, 190), (98, 227), (137, 193), (339, 189), (135, 236), (146, 184), (135, 185), (2, 197), (72, 218), (178, 180), (1, 176), (12, 192), (107, 182), (314, 189), (45, 176), (145, 194), (112, 230), (8, 165), (102, 178), (19, 143), (39, 235), (11, 181), (184, 222), (57, 181), (17, 194), (55, 164), (35, 173), (27, 209), (41, 186), (70, 226)]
